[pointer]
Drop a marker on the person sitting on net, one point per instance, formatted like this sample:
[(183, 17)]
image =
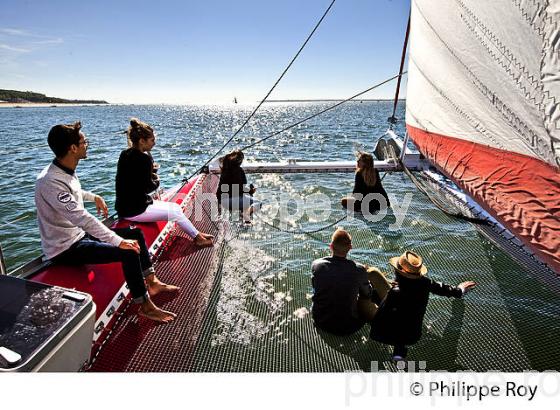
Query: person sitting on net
[(233, 192), (397, 319), (70, 235), (338, 283), (368, 189), (137, 178)]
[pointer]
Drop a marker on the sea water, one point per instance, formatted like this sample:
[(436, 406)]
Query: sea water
[(186, 137), (265, 277)]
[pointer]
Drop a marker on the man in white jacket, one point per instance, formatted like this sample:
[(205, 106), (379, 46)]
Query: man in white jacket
[(71, 235)]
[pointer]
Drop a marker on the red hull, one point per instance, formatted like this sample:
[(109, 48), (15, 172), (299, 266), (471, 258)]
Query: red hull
[(521, 192)]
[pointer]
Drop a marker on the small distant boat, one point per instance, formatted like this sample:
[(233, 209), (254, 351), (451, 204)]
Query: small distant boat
[(235, 100)]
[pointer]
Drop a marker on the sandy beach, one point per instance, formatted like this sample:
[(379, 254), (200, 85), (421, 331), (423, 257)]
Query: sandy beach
[(36, 105)]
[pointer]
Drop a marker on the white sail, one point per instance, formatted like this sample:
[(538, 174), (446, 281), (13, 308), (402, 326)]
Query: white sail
[(483, 104)]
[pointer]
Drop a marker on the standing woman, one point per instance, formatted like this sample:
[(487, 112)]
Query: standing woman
[(367, 181), (136, 179)]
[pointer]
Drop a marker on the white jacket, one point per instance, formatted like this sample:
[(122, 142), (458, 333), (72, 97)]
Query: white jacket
[(62, 218)]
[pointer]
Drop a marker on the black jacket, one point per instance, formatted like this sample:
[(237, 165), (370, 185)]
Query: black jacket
[(134, 181), (337, 282), (232, 182), (399, 318), (360, 187)]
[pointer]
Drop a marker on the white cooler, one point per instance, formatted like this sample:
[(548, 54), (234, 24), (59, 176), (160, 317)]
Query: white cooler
[(43, 328)]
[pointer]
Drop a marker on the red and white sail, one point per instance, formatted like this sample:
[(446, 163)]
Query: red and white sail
[(483, 105)]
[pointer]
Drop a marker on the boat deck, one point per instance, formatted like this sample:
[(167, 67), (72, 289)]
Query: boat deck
[(244, 305)]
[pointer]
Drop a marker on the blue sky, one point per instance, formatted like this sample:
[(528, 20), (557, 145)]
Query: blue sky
[(198, 51)]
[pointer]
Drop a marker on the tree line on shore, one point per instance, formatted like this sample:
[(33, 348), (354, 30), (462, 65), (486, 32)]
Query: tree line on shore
[(13, 96)]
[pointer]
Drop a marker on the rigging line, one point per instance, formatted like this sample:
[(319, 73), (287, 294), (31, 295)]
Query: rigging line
[(269, 92), (209, 213), (301, 232), (322, 112), (11, 223), (220, 220), (439, 204), (392, 119)]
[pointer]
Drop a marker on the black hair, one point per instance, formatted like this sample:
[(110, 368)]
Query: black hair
[(232, 160), (63, 136)]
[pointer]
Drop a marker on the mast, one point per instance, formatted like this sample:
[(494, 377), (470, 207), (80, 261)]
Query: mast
[(392, 119)]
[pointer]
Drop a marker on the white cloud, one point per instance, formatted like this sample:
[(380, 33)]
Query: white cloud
[(49, 41), (8, 47), (14, 32), (30, 41), (16, 44)]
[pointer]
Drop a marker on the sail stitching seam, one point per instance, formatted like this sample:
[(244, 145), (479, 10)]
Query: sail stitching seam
[(505, 59), (531, 139), (541, 94), (548, 47), (540, 14), (473, 122), (529, 17)]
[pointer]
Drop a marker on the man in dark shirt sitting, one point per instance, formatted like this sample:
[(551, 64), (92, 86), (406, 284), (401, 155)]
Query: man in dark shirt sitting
[(344, 298), (337, 283)]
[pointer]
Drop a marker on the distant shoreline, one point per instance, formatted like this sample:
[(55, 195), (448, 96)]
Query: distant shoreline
[(36, 105), (4, 104), (336, 100)]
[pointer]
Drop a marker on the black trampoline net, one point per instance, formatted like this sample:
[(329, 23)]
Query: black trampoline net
[(258, 314)]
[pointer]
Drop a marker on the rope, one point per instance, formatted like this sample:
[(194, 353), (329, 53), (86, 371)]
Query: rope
[(267, 94), (21, 218), (216, 226), (322, 111), (440, 204), (301, 232)]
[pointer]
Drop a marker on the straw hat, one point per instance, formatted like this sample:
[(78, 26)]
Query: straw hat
[(409, 264)]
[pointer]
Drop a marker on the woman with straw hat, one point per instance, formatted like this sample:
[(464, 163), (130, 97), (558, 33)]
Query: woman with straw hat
[(398, 320)]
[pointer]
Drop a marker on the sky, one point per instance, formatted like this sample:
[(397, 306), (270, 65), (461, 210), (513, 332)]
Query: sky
[(195, 51)]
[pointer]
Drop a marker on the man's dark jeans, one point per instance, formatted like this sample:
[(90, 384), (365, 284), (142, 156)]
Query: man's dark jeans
[(90, 250)]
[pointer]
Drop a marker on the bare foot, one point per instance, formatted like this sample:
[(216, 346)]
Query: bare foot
[(156, 287), (152, 312), (202, 241), (206, 235)]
